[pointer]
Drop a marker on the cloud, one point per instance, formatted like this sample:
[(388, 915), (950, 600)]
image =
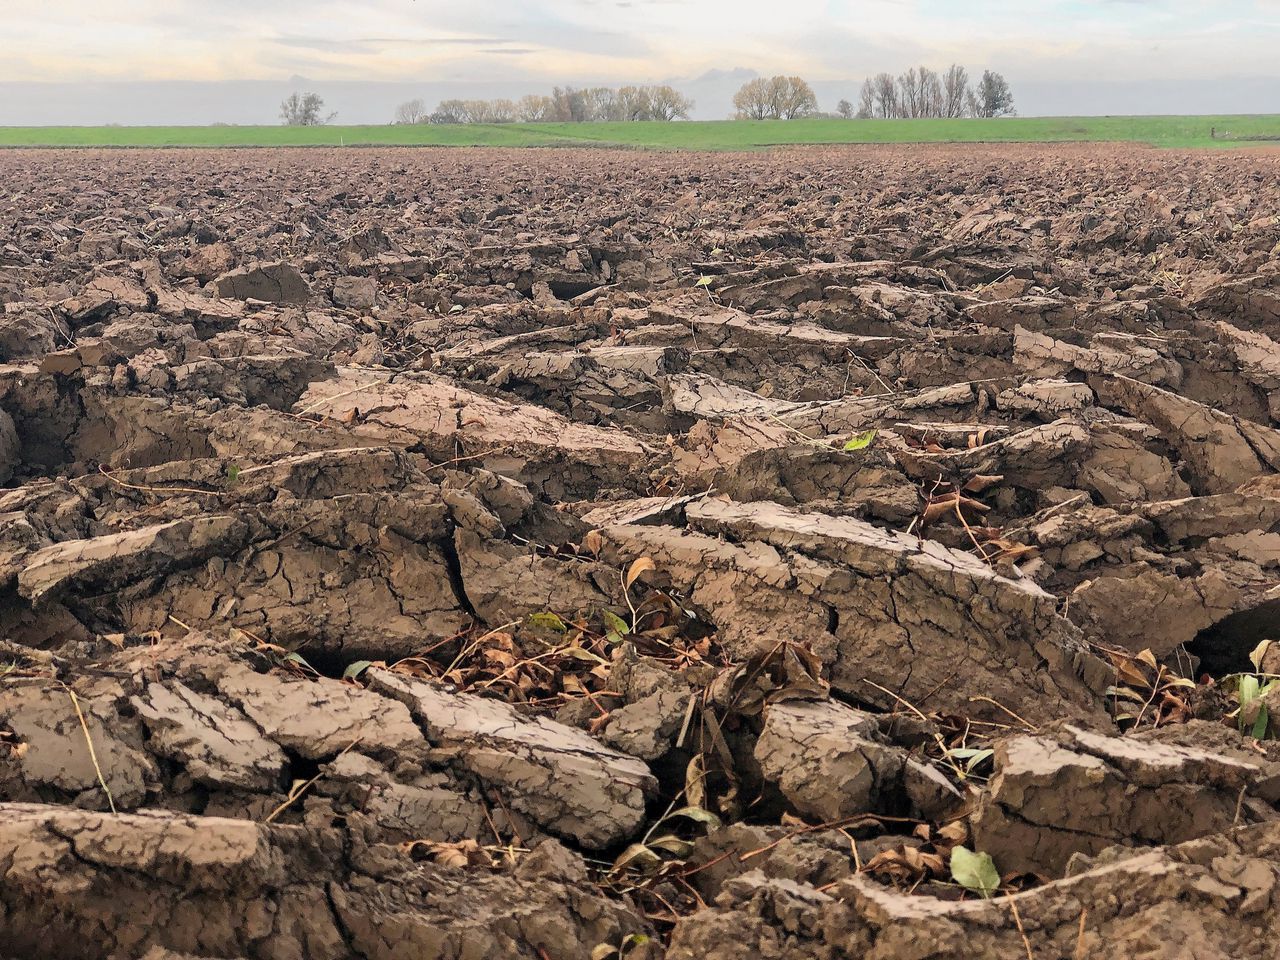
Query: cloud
[(624, 40)]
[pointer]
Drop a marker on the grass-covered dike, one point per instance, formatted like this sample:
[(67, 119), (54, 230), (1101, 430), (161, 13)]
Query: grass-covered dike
[(1163, 131)]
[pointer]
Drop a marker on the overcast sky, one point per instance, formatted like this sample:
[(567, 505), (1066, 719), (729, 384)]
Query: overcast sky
[(627, 40), (238, 58)]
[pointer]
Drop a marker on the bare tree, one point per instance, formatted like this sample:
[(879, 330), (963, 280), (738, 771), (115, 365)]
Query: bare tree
[(867, 100), (909, 94), (752, 100), (450, 111), (931, 95), (920, 93), (569, 105), (304, 110), (503, 111), (667, 103), (845, 109), (886, 96), (955, 91), (793, 98), (993, 98), (633, 103), (600, 103), (535, 109), (411, 111), (778, 98)]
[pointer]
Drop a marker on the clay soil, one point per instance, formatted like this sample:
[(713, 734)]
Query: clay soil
[(591, 555)]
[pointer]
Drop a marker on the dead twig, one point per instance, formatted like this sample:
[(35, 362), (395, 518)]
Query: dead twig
[(1017, 918), (102, 469), (830, 825), (311, 407), (996, 703), (88, 739), (1079, 951), (937, 737), (299, 791)]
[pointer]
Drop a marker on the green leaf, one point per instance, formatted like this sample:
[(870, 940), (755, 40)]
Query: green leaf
[(861, 441), (355, 669), (1259, 731), (617, 627), (233, 473), (974, 756), (977, 760), (1248, 691), (704, 281), (547, 621), (975, 871), (297, 658)]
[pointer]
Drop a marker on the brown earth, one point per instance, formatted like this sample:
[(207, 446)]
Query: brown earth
[(584, 554)]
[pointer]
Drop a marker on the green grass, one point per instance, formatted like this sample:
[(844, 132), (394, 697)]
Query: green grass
[(709, 135)]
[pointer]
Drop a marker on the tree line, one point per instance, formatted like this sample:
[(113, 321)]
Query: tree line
[(564, 105), (922, 92), (918, 92)]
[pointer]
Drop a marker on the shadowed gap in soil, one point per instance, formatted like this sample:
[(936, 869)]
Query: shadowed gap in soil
[(1224, 648)]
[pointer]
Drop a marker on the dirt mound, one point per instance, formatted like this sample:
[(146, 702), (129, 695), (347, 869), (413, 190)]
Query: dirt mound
[(586, 555)]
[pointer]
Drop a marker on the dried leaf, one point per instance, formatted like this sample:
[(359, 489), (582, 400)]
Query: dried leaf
[(639, 566), (498, 657), (697, 814), (678, 848), (981, 482), (636, 855), (695, 775), (578, 653), (463, 853), (939, 507)]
